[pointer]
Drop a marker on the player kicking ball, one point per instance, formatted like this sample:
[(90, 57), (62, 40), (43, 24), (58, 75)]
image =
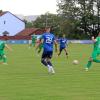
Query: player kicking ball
[(95, 53), (3, 57)]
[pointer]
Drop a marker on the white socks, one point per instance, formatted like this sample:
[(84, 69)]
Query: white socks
[(50, 69)]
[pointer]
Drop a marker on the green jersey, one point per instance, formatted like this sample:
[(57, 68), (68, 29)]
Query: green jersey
[(97, 45), (2, 45), (41, 45), (34, 39)]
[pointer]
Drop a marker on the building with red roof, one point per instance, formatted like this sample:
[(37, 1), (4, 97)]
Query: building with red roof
[(30, 31)]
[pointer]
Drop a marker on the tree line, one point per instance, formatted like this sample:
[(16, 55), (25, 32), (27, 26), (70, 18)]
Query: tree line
[(78, 19)]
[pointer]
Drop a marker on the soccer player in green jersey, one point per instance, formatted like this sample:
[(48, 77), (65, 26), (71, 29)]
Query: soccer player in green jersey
[(2, 52), (40, 45), (33, 40), (95, 53), (40, 48)]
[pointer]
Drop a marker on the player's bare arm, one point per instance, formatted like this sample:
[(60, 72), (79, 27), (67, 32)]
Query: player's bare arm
[(56, 46), (38, 43), (8, 47)]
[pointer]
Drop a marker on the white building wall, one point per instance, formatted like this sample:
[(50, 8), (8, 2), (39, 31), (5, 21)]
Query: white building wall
[(11, 24)]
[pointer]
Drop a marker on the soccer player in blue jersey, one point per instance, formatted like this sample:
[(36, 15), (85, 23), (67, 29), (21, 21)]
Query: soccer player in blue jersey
[(48, 39), (63, 45)]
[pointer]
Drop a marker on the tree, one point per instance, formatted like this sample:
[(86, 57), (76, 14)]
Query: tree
[(83, 15), (1, 11), (28, 24), (48, 19)]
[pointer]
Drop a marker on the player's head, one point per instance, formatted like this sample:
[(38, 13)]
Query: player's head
[(63, 35), (47, 29), (99, 33)]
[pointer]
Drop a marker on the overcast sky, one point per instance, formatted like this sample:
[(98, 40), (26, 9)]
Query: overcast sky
[(29, 7)]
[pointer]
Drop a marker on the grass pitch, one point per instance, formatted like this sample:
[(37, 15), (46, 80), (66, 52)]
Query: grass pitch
[(25, 78)]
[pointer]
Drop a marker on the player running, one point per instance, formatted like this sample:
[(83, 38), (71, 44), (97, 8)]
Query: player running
[(48, 39), (33, 41), (40, 45), (2, 52), (95, 53), (63, 45)]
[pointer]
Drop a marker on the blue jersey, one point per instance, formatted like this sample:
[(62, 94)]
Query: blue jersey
[(48, 41), (63, 42)]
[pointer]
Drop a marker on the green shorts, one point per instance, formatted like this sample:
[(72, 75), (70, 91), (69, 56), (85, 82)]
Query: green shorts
[(95, 54), (40, 46), (1, 54)]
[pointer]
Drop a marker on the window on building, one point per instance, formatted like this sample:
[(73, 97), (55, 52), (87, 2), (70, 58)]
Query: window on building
[(4, 22)]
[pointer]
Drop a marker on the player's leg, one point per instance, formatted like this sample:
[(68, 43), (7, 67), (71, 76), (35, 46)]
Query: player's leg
[(33, 44), (60, 50), (0, 57), (49, 59), (30, 43), (66, 52), (89, 63), (4, 58), (44, 62), (91, 59), (40, 49), (44, 59), (50, 66)]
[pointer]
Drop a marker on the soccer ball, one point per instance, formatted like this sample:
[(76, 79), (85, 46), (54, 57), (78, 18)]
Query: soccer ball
[(75, 62)]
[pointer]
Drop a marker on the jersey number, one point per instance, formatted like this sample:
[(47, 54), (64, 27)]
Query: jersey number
[(48, 40)]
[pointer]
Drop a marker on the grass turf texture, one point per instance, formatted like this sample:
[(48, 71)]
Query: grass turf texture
[(25, 78)]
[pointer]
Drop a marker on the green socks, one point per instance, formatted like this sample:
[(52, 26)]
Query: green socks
[(4, 59), (89, 64)]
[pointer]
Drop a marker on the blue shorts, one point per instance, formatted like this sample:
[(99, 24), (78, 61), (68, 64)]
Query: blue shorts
[(61, 48), (47, 54)]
